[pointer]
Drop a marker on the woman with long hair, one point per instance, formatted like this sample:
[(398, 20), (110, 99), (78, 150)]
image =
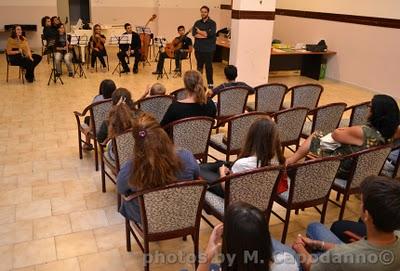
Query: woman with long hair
[(20, 54), (262, 148), (155, 162), (62, 51), (195, 103), (383, 121), (246, 244), (97, 41)]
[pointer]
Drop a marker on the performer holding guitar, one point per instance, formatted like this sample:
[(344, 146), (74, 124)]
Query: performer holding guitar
[(179, 49)]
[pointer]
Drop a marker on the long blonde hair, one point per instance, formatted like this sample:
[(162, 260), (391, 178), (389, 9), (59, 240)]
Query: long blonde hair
[(194, 85)]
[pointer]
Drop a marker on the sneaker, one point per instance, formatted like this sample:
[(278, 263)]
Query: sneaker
[(126, 71), (135, 70), (87, 147), (177, 70)]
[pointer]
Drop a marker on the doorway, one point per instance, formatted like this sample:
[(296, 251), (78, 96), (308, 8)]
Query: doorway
[(70, 11)]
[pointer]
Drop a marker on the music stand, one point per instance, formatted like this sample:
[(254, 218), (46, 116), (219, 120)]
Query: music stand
[(79, 41), (147, 31), (117, 40), (54, 76)]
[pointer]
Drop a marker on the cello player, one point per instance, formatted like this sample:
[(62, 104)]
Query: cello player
[(179, 49)]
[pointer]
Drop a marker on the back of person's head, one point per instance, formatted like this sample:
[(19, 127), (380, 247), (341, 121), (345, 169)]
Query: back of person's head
[(230, 72), (263, 141), (381, 199), (246, 237), (122, 94), (155, 160), (157, 89), (384, 115), (107, 88), (194, 86)]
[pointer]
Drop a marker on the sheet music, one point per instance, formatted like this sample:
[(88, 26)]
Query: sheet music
[(123, 39), (74, 39)]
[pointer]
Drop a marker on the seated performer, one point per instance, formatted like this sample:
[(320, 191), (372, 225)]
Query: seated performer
[(178, 49), (130, 49), (97, 41)]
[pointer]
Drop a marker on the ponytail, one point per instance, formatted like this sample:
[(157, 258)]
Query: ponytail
[(194, 85), (120, 119)]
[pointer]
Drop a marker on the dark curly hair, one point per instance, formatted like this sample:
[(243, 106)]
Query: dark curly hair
[(385, 115)]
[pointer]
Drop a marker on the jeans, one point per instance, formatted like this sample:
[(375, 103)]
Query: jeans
[(205, 58), (58, 57), (278, 247), (318, 231)]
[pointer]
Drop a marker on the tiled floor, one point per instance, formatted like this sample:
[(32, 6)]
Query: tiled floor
[(53, 215)]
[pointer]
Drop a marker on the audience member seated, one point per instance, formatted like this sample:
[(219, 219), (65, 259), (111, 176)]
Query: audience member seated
[(62, 49), (383, 121), (196, 102), (380, 205), (246, 244), (20, 53), (98, 50), (230, 72), (261, 148), (153, 90), (155, 163)]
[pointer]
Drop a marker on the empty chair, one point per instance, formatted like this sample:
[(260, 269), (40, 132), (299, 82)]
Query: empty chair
[(192, 134), (307, 95), (325, 119), (358, 115), (168, 212), (290, 124), (269, 97), (310, 185), (155, 105), (232, 101), (238, 127)]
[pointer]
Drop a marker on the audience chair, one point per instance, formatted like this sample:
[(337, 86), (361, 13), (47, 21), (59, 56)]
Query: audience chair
[(269, 98), (168, 212), (155, 105), (358, 115), (179, 94), (290, 124), (238, 127), (325, 119), (307, 95), (192, 134), (21, 71), (256, 187), (364, 163), (98, 113), (310, 184)]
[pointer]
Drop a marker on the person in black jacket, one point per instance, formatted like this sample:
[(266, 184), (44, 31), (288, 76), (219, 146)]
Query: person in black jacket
[(126, 50)]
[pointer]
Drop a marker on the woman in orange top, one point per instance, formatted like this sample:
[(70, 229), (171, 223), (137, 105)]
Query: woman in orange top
[(20, 53)]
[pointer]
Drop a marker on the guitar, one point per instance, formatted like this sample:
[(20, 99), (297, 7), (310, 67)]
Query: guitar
[(145, 39), (176, 44)]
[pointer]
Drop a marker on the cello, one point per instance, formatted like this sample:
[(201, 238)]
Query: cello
[(145, 39)]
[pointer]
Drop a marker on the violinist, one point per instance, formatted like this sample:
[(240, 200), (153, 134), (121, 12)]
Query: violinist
[(97, 41), (178, 49)]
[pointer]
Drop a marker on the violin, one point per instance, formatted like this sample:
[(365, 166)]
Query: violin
[(145, 39)]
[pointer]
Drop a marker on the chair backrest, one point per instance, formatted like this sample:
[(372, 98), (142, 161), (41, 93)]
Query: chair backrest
[(238, 126), (124, 146), (232, 101), (367, 162), (269, 97), (155, 105), (359, 113), (312, 180), (305, 95), (99, 112), (255, 187), (290, 123), (172, 208), (179, 94), (192, 134), (327, 118)]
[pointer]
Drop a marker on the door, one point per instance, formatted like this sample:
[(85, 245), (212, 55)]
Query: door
[(63, 13)]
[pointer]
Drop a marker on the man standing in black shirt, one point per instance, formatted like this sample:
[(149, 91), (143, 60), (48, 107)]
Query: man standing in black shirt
[(179, 48), (204, 31), (130, 49)]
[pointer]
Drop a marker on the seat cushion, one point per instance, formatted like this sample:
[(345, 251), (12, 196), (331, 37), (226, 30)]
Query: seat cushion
[(307, 128), (284, 196), (344, 123), (215, 203), (340, 183), (218, 140)]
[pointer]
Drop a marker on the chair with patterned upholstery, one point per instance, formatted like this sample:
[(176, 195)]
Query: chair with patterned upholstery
[(122, 148), (269, 98), (168, 212), (364, 163), (325, 119), (392, 163), (238, 127), (307, 95), (310, 184), (358, 116), (179, 94), (290, 124), (192, 134), (256, 187), (155, 105), (98, 113)]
